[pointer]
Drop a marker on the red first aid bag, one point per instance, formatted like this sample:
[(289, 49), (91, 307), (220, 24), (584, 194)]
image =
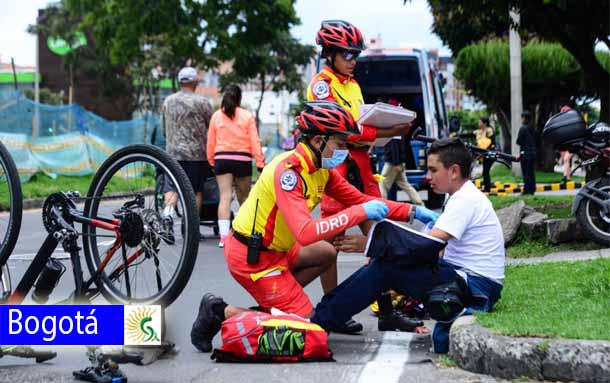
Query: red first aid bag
[(262, 337)]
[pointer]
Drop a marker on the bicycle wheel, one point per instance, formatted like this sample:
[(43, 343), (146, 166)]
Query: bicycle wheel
[(154, 261), (11, 209)]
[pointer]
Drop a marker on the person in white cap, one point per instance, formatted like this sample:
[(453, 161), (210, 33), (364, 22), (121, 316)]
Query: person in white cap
[(186, 116)]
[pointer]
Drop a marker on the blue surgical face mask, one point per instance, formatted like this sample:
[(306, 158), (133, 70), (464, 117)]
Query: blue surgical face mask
[(339, 155)]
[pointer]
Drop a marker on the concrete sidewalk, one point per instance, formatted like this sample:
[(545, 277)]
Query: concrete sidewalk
[(477, 349), (561, 256)]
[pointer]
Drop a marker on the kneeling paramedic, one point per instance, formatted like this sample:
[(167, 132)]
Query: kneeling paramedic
[(276, 246)]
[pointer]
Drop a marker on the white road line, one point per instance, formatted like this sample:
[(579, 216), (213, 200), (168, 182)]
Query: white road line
[(344, 258), (388, 363), (30, 256)]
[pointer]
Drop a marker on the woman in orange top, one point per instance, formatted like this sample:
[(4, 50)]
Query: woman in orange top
[(232, 143)]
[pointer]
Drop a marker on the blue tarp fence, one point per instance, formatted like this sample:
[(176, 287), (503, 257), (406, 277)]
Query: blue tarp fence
[(67, 139)]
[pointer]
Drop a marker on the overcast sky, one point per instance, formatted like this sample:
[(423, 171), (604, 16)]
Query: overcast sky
[(398, 24)]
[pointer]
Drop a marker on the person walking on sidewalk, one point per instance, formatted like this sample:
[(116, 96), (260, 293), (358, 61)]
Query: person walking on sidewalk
[(186, 117), (394, 170), (232, 144), (276, 246), (527, 142)]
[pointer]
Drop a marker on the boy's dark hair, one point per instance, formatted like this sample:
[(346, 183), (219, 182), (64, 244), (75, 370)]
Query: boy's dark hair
[(231, 100), (485, 120), (452, 151)]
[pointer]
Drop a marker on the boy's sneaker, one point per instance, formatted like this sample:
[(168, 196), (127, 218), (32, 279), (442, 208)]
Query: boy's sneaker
[(207, 324), (168, 226), (397, 321)]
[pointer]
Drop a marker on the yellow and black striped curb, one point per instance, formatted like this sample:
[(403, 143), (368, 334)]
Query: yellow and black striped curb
[(503, 189)]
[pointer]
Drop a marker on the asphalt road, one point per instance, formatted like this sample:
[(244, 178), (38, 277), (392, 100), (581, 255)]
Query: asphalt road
[(372, 356)]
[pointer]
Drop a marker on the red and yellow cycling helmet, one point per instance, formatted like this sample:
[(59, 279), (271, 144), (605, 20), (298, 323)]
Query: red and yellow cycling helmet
[(326, 118), (341, 35)]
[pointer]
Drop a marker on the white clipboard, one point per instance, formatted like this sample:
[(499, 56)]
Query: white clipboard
[(382, 116)]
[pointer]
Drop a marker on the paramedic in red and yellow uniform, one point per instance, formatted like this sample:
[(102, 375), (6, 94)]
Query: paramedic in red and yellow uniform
[(293, 251), (341, 44)]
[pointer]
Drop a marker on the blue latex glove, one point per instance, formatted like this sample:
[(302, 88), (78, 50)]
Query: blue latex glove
[(375, 209), (425, 215)]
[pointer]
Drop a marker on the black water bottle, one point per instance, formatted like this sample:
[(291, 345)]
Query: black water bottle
[(48, 279)]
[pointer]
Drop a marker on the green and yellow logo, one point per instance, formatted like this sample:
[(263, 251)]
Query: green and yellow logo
[(142, 325)]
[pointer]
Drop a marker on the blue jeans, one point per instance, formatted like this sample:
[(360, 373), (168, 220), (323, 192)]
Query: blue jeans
[(364, 286), (486, 293)]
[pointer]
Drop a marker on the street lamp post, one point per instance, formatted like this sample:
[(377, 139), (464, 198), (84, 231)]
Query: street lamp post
[(516, 97)]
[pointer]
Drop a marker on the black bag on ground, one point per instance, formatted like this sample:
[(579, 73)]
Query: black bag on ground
[(447, 301)]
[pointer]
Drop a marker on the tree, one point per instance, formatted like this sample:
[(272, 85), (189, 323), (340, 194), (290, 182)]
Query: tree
[(134, 37), (87, 62), (578, 25), (275, 65), (551, 77)]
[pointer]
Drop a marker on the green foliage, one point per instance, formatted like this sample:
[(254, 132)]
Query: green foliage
[(140, 42), (525, 247), (548, 71), (555, 206), (469, 120), (275, 64), (577, 25), (87, 61), (458, 26), (446, 362), (41, 186), (554, 300), (46, 96)]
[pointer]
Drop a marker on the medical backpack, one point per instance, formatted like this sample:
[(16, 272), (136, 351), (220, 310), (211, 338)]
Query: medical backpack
[(261, 337)]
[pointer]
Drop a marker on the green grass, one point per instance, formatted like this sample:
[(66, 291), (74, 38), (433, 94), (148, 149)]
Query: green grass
[(559, 206), (41, 186), (555, 300), (505, 175), (445, 361), (555, 207), (524, 247)]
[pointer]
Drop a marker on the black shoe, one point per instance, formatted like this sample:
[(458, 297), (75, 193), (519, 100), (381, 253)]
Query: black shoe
[(168, 225), (207, 324), (100, 375), (350, 327), (397, 321), (43, 356)]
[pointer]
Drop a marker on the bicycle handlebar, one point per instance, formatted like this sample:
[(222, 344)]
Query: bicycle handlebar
[(472, 148)]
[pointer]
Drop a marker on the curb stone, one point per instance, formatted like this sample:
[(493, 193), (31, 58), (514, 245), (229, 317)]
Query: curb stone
[(476, 349)]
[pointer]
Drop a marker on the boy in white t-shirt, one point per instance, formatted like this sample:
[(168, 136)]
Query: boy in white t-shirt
[(474, 251), (475, 243)]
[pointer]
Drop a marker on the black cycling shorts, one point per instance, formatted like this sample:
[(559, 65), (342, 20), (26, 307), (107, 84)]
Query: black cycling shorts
[(235, 167), (197, 172)]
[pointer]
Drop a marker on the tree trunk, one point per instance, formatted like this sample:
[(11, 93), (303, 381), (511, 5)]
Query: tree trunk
[(260, 103)]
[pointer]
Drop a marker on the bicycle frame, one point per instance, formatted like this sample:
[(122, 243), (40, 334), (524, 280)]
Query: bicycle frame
[(67, 235)]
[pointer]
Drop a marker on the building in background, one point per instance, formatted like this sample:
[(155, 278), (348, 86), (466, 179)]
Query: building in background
[(456, 97)]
